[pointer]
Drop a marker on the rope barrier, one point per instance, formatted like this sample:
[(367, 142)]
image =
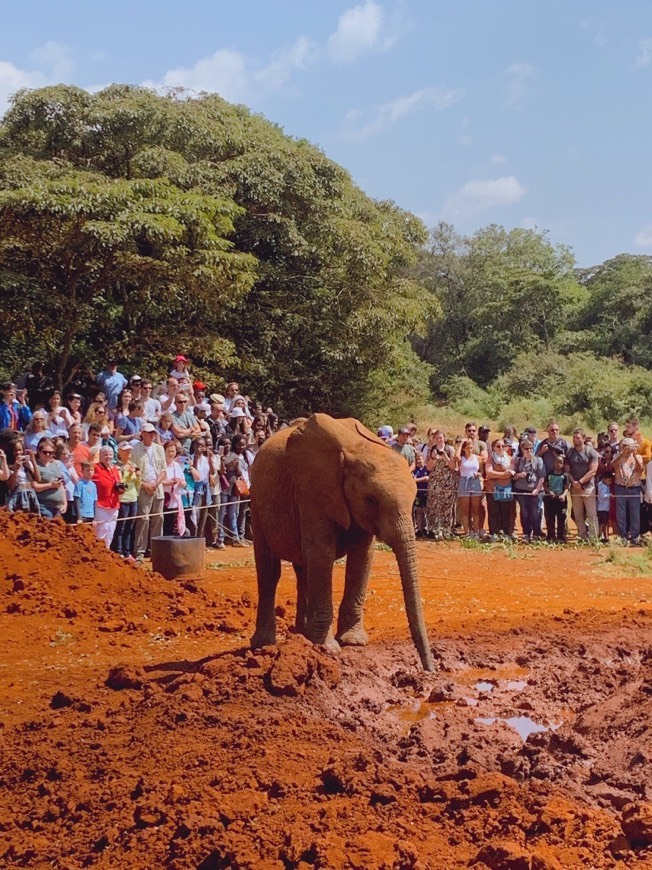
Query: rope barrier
[(176, 510)]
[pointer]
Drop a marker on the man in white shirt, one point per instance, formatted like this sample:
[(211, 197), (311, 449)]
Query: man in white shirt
[(152, 406), (149, 458)]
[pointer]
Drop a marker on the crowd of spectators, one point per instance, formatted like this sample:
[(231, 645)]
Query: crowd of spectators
[(135, 458), (139, 459), (472, 484)]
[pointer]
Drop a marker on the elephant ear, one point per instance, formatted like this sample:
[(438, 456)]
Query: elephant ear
[(356, 426), (316, 450)]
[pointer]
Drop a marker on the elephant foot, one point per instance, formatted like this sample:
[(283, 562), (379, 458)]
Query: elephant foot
[(355, 636), (331, 645), (263, 638)]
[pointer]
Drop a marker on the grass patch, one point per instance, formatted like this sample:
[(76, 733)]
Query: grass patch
[(384, 548), (218, 566), (629, 561)]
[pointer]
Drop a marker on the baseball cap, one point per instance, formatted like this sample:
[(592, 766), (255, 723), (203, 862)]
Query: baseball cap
[(136, 379), (148, 427), (405, 430), (181, 358), (385, 432), (202, 406), (198, 385)]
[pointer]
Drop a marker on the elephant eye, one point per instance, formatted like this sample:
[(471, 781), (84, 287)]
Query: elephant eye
[(371, 501)]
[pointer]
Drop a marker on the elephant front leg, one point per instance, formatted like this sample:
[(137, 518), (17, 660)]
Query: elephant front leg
[(350, 627), (319, 598), (268, 570)]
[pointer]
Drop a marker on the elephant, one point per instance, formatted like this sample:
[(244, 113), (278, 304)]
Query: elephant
[(321, 489)]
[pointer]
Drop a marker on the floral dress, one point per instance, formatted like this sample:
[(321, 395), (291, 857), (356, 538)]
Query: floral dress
[(442, 495)]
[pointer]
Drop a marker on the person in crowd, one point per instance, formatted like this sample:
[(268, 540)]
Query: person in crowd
[(530, 433), (199, 389), (78, 450), (201, 412), (127, 428), (112, 383), (404, 447), (57, 419), (581, 466), (232, 390), (93, 442), (644, 449), (168, 398), (23, 473), (39, 387), (551, 445), (429, 443), (480, 450), (614, 438), (510, 439), (421, 477), (498, 486), (180, 370), (149, 458), (184, 422), (203, 471), (602, 442), (606, 466), (386, 434), (217, 422), (122, 406), (85, 495), (237, 464), (151, 405), (49, 489), (136, 387), (629, 473), (221, 497), (258, 435), (555, 503), (107, 440), (107, 479), (36, 429), (483, 435), (604, 499), (71, 411), (173, 485), (5, 471), (441, 465), (70, 478), (98, 414), (528, 480), (123, 538), (469, 492), (239, 423), (164, 428), (15, 413)]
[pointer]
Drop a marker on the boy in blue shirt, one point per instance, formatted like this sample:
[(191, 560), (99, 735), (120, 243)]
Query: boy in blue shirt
[(420, 474), (85, 494)]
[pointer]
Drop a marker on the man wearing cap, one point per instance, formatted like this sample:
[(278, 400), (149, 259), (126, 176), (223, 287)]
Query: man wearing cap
[(406, 450), (136, 385), (149, 459), (112, 383), (199, 392), (386, 433)]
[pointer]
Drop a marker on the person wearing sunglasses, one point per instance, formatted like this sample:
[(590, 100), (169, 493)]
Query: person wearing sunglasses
[(50, 490)]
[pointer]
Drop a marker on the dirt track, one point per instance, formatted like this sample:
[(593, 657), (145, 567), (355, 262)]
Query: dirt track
[(139, 731)]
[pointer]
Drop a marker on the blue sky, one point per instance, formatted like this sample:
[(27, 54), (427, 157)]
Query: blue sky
[(485, 111)]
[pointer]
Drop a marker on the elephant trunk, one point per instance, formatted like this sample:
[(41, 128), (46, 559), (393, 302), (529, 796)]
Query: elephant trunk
[(406, 556)]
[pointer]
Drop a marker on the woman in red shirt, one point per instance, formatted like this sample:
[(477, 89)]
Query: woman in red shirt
[(109, 485)]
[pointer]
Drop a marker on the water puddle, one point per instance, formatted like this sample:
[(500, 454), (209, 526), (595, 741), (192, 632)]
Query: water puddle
[(515, 685), (484, 686), (523, 725), (419, 711)]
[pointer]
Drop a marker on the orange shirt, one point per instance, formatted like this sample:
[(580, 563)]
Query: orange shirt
[(80, 454)]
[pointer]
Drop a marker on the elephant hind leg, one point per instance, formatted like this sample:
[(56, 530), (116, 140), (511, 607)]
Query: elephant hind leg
[(301, 622), (268, 570)]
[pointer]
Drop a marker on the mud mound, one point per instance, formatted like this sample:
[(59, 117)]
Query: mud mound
[(50, 568), (288, 758)]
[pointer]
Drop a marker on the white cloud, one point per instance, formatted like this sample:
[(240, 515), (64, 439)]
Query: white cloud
[(388, 114), (644, 56), (643, 238), (231, 74), (597, 28), (517, 76), (498, 159), (477, 196), (363, 28), (54, 65)]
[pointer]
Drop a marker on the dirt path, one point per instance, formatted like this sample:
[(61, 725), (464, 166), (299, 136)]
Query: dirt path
[(139, 731)]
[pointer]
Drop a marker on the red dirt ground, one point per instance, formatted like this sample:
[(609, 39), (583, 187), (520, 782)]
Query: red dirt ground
[(137, 729)]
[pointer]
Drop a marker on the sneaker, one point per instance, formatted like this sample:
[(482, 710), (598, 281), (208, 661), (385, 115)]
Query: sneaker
[(220, 545), (129, 559), (240, 544)]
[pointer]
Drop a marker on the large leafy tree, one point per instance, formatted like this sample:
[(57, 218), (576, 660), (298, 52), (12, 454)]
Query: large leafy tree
[(311, 299)]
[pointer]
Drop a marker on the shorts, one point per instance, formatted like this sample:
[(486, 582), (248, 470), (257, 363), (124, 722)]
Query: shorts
[(470, 485), (421, 500), (603, 517)]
